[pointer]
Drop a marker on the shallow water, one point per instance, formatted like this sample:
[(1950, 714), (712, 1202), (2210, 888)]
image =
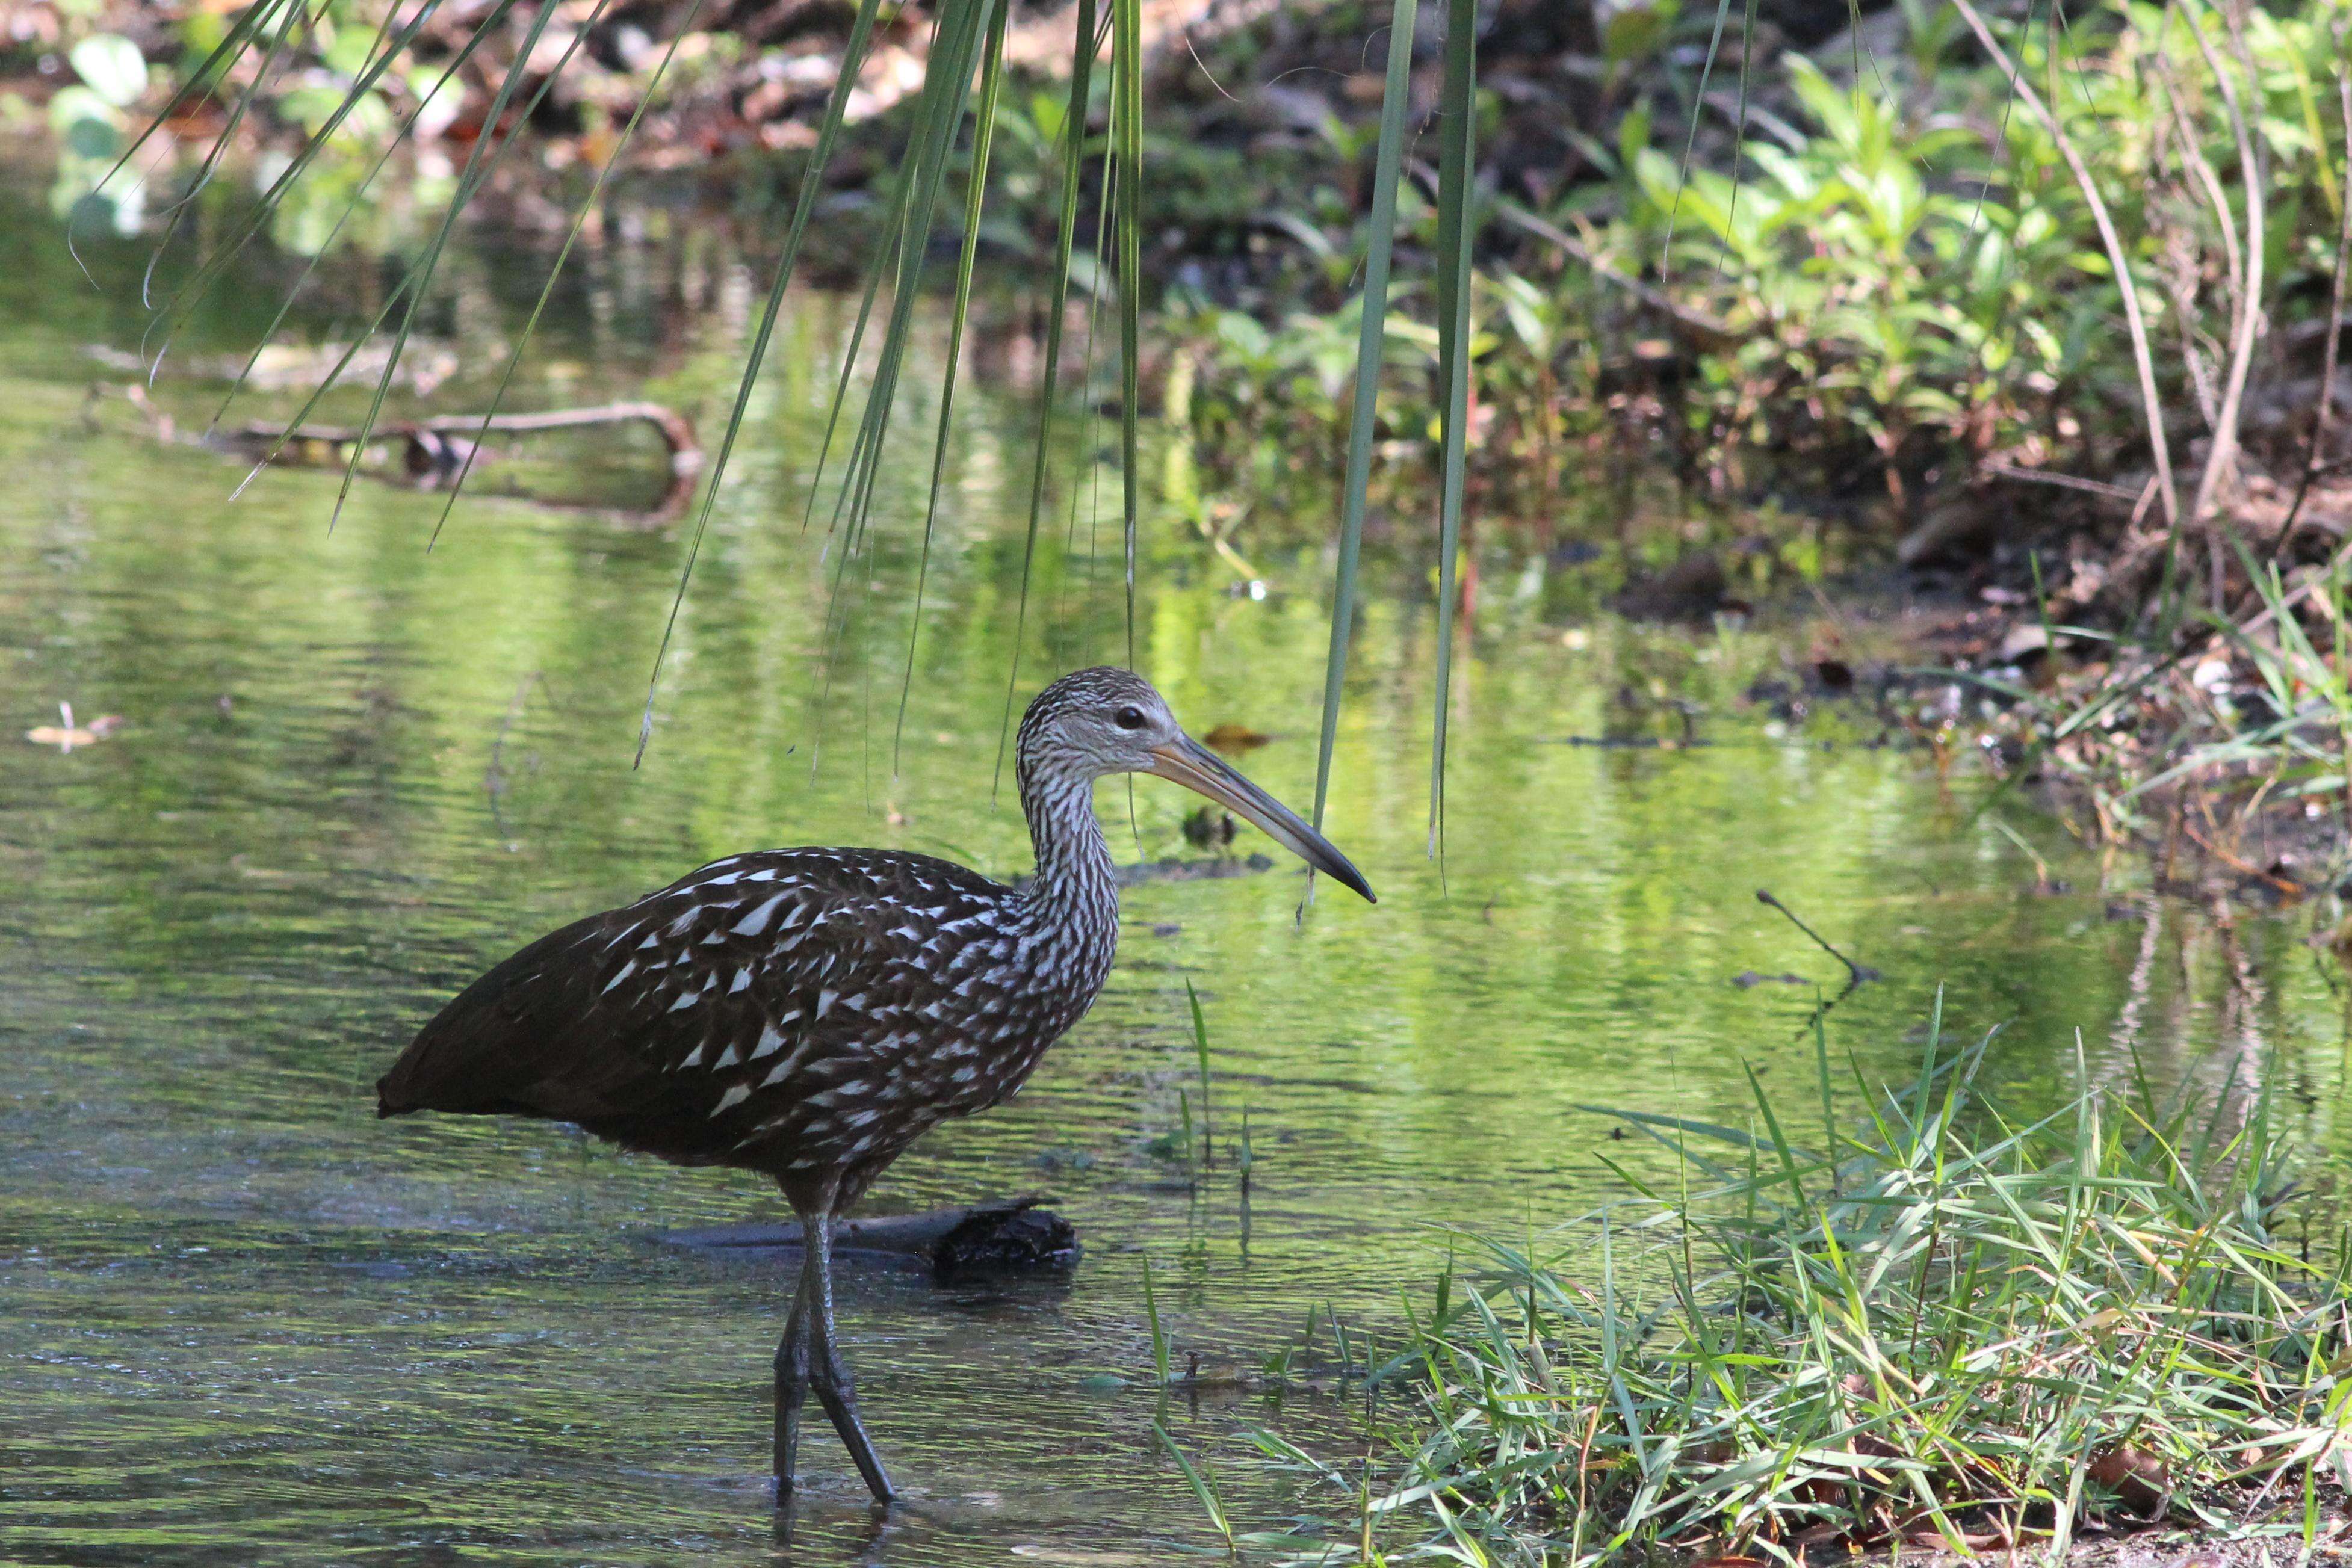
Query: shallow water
[(243, 1321)]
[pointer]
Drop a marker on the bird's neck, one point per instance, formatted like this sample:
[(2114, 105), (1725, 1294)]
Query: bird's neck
[(1074, 879)]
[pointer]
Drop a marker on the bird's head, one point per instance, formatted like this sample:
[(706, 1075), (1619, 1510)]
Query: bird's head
[(1102, 721)]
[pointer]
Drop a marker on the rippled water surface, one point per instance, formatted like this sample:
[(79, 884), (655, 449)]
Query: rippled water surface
[(243, 1321)]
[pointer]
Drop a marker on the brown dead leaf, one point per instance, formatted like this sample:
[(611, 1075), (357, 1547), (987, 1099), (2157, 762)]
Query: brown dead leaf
[(1235, 738), (2137, 1476), (67, 735)]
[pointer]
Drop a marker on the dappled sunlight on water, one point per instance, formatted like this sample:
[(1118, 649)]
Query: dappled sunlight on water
[(242, 1321)]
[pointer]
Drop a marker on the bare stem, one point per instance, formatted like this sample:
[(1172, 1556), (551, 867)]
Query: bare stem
[(2221, 464), (2133, 321)]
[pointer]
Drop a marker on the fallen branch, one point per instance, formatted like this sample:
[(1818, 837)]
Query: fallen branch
[(677, 431), (2244, 867), (435, 451), (1014, 1236)]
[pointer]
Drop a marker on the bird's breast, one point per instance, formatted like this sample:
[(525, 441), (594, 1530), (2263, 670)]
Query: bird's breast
[(1007, 997)]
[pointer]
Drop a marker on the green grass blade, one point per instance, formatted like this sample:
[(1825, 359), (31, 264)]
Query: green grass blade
[(1371, 344), (1127, 135), (555, 270), (992, 82), (486, 148), (1456, 169), (1083, 48), (1203, 1491), (1201, 1053), (1158, 1333), (209, 70), (216, 264), (853, 60)]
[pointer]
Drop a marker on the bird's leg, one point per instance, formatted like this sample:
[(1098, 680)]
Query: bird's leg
[(830, 1374), (792, 1375)]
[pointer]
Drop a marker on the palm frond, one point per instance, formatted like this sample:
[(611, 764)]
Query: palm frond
[(992, 84), (1370, 347), (1084, 47), (1458, 113)]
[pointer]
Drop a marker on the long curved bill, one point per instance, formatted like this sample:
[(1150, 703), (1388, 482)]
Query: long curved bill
[(1203, 771)]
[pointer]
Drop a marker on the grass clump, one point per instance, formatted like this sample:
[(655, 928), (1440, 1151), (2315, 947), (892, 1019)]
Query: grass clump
[(1953, 1329)]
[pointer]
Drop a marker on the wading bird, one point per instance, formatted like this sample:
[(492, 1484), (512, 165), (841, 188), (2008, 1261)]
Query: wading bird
[(809, 1013)]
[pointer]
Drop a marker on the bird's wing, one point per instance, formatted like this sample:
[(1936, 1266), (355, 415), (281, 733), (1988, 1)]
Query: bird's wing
[(751, 986)]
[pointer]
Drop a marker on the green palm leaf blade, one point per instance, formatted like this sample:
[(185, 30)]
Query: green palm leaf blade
[(1127, 132), (1458, 112), (1370, 345), (208, 71), (991, 83), (1083, 48), (180, 208), (853, 60), (486, 148), (555, 269), (947, 88), (214, 265), (409, 289), (359, 192)]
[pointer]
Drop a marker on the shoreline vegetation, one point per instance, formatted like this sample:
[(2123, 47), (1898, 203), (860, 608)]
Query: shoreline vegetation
[(1928, 1328)]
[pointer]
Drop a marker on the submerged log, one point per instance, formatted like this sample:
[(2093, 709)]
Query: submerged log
[(443, 450), (1013, 1237)]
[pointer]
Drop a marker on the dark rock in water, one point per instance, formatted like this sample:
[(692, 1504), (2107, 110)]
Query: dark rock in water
[(1006, 1238), (1209, 829), (1021, 1241), (1172, 869), (1953, 533), (1175, 870), (1692, 588)]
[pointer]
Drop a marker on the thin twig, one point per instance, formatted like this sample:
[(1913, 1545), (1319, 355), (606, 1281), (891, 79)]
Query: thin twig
[(2222, 462), (1860, 974), (2063, 481)]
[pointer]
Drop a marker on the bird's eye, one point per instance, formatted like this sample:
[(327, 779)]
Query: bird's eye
[(1130, 717)]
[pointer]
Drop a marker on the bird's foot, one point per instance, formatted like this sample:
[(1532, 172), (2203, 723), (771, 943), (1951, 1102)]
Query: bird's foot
[(838, 1394)]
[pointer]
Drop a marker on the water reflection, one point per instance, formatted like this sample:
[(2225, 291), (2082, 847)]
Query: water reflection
[(241, 1320)]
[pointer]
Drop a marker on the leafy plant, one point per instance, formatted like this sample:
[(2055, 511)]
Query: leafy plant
[(89, 121)]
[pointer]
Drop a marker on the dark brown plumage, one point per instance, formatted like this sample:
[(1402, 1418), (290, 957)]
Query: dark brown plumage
[(809, 1013)]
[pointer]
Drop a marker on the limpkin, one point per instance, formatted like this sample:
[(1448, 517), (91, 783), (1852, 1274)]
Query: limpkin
[(809, 1013)]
